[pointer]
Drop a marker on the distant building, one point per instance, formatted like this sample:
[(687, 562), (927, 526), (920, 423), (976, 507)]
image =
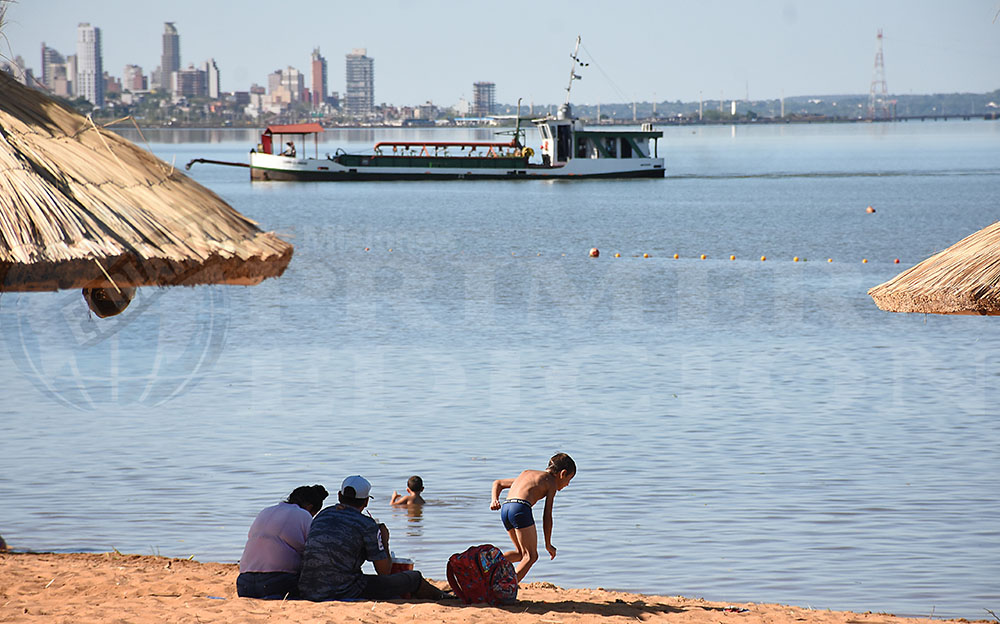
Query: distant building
[(89, 64), (133, 80), (111, 84), (483, 99), (62, 86), (286, 85), (170, 60), (425, 111), (319, 86), (189, 82), (55, 75), (211, 78), (360, 94), (21, 72), (71, 65), (51, 59)]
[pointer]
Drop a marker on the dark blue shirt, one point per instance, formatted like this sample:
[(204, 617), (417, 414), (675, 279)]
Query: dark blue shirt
[(340, 540)]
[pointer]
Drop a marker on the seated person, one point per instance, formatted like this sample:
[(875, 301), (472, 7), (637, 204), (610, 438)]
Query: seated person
[(269, 567), (290, 150), (414, 486), (341, 539)]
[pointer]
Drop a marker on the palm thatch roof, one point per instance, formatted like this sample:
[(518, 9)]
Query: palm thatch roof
[(962, 279), (80, 206)]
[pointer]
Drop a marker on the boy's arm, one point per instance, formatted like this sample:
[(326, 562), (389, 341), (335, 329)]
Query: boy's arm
[(547, 523), (498, 486), (400, 500)]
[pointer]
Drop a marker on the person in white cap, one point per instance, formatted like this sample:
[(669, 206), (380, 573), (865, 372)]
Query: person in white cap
[(341, 538)]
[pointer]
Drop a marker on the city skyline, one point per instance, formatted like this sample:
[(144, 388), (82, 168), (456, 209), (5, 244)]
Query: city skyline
[(663, 51)]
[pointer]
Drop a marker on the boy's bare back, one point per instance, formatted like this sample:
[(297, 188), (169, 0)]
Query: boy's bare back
[(532, 486)]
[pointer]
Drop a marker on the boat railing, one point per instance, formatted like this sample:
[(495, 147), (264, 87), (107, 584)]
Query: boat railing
[(485, 149)]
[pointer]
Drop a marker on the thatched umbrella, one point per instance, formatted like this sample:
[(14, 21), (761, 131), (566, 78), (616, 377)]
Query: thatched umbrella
[(962, 279), (81, 207)]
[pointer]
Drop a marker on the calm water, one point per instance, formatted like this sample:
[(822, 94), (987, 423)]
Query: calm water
[(745, 430)]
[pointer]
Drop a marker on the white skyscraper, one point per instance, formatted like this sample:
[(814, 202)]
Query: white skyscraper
[(89, 64), (211, 77), (360, 76)]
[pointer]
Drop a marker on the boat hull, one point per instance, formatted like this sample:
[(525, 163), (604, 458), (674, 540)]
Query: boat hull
[(268, 167)]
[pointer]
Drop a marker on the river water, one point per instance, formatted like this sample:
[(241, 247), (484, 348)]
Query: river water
[(744, 430)]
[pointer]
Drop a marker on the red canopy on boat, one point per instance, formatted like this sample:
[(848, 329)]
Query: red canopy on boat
[(300, 128)]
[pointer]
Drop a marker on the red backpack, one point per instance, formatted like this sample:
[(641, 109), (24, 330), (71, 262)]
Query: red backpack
[(482, 574)]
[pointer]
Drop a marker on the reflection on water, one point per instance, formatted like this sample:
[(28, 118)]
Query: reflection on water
[(331, 137)]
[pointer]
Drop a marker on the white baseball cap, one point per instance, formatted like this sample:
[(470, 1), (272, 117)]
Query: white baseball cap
[(359, 486)]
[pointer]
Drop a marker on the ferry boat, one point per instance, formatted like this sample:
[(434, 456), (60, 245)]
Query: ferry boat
[(568, 150)]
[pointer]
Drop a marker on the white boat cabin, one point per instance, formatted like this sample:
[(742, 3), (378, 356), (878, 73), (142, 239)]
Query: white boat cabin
[(565, 138)]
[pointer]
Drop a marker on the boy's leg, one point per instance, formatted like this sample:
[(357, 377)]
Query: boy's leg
[(527, 541), (517, 554)]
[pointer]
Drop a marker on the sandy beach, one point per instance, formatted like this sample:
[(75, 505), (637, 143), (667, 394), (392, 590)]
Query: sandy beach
[(120, 588)]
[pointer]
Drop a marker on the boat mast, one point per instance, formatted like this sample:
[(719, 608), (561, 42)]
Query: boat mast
[(572, 69), (517, 126)]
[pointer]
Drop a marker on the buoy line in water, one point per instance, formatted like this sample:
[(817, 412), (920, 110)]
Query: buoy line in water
[(595, 253)]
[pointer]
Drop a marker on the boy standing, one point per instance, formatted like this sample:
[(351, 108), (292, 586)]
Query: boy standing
[(525, 491), (414, 486)]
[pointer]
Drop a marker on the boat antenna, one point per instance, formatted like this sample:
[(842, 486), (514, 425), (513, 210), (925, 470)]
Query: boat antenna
[(572, 70), (517, 125)]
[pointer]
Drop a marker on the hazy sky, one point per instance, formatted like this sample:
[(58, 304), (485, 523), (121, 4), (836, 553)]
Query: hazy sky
[(662, 50)]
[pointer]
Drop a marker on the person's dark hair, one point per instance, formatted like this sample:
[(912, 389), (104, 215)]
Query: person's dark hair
[(346, 498), (308, 495), (415, 483), (560, 462)]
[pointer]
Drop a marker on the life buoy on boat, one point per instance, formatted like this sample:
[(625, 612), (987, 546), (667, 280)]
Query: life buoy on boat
[(528, 152)]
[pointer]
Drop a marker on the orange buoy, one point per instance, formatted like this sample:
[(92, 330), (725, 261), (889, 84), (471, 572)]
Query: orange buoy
[(829, 259), (645, 255), (795, 259), (366, 249), (763, 258), (676, 256), (702, 256), (618, 255), (869, 210), (896, 261), (864, 261), (732, 257), (594, 252)]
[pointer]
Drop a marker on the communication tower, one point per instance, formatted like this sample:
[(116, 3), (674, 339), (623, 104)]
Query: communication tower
[(878, 95)]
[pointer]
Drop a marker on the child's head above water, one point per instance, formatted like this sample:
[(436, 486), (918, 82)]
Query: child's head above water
[(415, 484)]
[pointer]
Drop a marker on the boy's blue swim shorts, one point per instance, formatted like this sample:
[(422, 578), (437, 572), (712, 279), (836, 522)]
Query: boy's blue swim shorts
[(516, 514)]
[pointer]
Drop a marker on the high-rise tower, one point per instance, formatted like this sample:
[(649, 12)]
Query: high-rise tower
[(878, 95), (483, 99), (50, 60), (211, 78), (170, 61), (360, 93), (319, 87), (89, 64)]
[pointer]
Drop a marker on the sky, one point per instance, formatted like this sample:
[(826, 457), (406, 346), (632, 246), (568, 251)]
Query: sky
[(433, 50)]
